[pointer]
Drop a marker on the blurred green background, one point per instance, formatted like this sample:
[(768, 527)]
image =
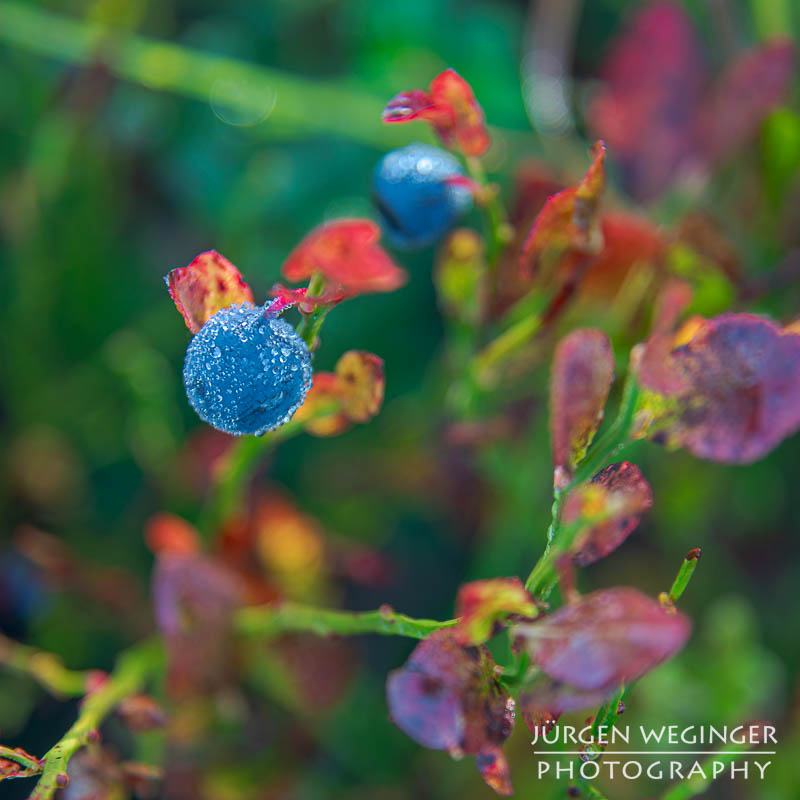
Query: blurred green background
[(238, 126)]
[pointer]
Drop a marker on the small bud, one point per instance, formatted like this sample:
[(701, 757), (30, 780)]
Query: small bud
[(141, 713), (694, 554)]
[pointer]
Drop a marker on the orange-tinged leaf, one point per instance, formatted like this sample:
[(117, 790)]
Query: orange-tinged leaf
[(580, 379), (348, 254), (569, 220), (207, 285), (480, 605), (361, 384), (608, 509), (321, 411)]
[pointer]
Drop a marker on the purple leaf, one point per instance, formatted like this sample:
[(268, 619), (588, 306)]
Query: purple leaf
[(607, 638)]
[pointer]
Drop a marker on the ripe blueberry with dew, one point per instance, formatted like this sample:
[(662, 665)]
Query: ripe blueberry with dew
[(417, 192), (246, 371)]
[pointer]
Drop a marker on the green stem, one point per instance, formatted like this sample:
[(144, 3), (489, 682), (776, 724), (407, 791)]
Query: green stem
[(240, 463), (602, 452), (608, 446), (293, 617), (128, 677), (309, 325), (500, 232), (45, 668), (508, 342)]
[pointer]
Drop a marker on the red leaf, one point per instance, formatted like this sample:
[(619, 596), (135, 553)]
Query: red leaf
[(209, 284), (347, 253), (607, 638), (468, 130), (408, 106), (611, 507), (580, 379), (655, 77), (446, 698), (450, 107), (568, 220), (736, 388), (749, 88), (481, 604)]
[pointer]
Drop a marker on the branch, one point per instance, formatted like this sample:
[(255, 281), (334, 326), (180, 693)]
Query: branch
[(293, 617), (45, 668), (128, 677)]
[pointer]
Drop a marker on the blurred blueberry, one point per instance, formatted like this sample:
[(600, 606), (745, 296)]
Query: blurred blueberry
[(22, 591), (416, 201), (246, 372)]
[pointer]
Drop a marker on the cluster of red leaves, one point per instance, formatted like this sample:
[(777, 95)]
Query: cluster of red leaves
[(607, 510), (659, 110), (587, 649), (580, 379), (450, 107), (568, 221), (348, 255), (731, 383), (353, 392), (446, 697)]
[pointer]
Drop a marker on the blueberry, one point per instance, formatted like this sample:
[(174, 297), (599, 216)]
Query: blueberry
[(246, 371), (417, 203)]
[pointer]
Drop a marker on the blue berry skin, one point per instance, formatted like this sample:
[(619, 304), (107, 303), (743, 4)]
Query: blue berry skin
[(246, 371), (417, 204)]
